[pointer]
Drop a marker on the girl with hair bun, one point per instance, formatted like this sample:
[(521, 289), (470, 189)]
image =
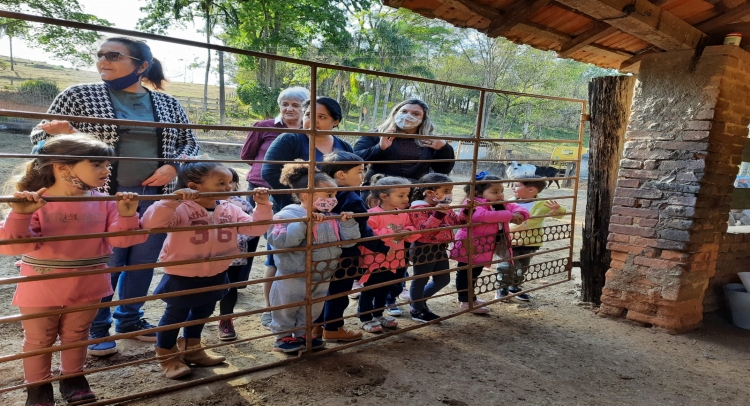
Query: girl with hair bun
[(325, 260)]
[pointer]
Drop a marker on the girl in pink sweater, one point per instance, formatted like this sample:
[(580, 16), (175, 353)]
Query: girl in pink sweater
[(430, 251), (392, 194), (34, 217), (194, 178), (489, 222)]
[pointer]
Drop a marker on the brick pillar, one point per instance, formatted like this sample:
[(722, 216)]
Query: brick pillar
[(681, 156)]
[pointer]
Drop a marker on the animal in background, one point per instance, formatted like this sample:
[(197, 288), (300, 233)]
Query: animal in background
[(519, 171)]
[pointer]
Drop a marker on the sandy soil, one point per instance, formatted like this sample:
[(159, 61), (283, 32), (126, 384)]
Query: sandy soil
[(550, 351)]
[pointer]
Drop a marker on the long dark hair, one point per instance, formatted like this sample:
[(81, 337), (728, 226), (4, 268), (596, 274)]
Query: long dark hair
[(154, 74), (333, 107), (429, 178), (39, 173)]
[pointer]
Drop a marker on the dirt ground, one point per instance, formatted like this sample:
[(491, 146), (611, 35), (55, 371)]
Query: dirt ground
[(552, 350)]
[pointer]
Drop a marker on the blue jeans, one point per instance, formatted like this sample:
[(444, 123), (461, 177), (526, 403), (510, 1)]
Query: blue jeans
[(131, 283), (177, 314)]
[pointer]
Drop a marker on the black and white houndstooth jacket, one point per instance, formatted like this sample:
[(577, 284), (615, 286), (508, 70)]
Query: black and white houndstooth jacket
[(92, 100)]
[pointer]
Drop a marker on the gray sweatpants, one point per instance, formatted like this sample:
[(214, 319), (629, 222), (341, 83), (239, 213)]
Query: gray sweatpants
[(287, 291)]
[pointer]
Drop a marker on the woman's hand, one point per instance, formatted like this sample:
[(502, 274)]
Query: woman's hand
[(127, 206), (436, 144), (56, 127), (162, 176), (187, 194), (261, 196), (385, 142), (517, 218), (33, 201), (346, 215)]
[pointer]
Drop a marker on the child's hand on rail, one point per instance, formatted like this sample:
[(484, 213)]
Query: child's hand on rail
[(33, 201), (187, 194), (127, 206)]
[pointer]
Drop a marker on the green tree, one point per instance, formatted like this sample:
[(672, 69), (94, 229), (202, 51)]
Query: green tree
[(69, 44), (13, 29), (163, 14)]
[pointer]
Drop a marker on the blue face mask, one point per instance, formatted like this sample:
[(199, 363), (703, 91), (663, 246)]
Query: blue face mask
[(125, 81)]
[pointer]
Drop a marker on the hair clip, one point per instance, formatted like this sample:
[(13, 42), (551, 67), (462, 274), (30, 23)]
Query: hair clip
[(37, 147), (481, 175)]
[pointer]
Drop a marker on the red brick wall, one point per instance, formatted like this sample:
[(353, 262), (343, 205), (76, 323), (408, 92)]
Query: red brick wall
[(682, 150), (734, 256)]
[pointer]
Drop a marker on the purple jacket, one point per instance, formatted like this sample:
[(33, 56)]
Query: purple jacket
[(255, 148), (488, 223)]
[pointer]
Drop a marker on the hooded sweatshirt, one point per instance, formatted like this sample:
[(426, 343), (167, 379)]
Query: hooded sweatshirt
[(291, 235), (66, 256), (199, 244), (487, 223)]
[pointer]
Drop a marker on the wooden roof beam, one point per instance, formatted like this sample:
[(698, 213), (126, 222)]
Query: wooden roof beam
[(481, 10), (729, 17), (517, 12), (593, 34), (643, 20)]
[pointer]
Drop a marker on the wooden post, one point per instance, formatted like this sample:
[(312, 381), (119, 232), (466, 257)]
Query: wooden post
[(610, 98)]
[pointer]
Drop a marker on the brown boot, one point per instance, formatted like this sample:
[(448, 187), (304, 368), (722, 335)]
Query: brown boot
[(174, 367), (200, 357)]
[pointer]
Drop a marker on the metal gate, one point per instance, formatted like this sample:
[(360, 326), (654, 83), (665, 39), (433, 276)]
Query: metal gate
[(553, 261)]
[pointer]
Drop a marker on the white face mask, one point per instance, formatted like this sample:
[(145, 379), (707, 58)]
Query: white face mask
[(406, 121)]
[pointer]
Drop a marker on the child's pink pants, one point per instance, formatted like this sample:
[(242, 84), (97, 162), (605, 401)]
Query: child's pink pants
[(42, 333)]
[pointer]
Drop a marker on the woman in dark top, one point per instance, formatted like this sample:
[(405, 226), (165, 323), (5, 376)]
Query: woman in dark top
[(291, 146), (408, 117)]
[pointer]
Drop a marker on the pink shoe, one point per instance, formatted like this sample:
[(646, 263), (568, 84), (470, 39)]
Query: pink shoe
[(478, 307)]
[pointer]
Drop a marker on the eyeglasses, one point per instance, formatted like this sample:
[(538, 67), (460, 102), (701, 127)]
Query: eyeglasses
[(113, 56)]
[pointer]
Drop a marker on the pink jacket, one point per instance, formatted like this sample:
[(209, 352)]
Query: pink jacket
[(67, 256), (383, 225), (491, 222), (201, 244), (425, 220)]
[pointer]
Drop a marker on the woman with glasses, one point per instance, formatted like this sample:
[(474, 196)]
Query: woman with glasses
[(130, 77)]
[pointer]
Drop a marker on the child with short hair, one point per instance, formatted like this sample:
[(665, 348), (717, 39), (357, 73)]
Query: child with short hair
[(392, 193), (239, 269), (488, 222), (346, 169), (528, 189), (34, 217), (192, 209), (430, 251), (288, 324)]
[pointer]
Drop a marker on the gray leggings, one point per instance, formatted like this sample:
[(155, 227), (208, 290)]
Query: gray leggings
[(436, 257)]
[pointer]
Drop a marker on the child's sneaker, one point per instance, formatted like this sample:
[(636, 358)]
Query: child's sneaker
[(101, 349), (372, 326), (141, 324), (317, 343), (501, 294), (394, 311), (424, 316), (524, 297), (226, 330), (265, 320), (404, 296), (356, 285), (387, 321), (288, 344), (76, 389), (479, 307)]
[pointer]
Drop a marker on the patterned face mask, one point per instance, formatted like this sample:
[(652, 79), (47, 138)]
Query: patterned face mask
[(75, 181), (407, 121), (325, 205)]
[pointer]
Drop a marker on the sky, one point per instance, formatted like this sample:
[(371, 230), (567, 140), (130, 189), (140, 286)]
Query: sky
[(125, 14)]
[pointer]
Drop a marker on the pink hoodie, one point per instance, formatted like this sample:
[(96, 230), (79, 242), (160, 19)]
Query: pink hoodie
[(201, 244), (396, 257), (425, 220), (66, 218), (488, 222)]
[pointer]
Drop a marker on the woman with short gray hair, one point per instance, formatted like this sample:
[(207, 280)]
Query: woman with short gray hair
[(257, 142)]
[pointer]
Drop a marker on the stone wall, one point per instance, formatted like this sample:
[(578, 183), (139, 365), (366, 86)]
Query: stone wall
[(734, 256), (682, 151)]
